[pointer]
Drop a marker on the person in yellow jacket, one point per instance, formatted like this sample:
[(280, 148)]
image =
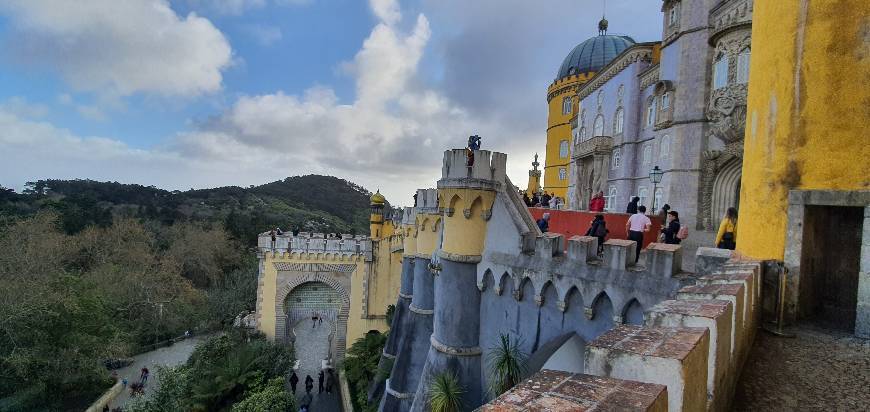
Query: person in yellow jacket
[(727, 236)]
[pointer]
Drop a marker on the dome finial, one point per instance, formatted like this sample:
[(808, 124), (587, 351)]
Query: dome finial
[(602, 24)]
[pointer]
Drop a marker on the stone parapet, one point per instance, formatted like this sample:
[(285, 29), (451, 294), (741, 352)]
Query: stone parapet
[(549, 245), (734, 293), (674, 357), (488, 171), (550, 390), (619, 253), (709, 259), (715, 315), (583, 248), (664, 258), (316, 243)]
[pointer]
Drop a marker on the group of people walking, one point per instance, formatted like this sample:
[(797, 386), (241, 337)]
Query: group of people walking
[(545, 200), (672, 230), (325, 383)]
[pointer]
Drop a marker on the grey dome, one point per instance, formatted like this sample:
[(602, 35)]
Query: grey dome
[(593, 54)]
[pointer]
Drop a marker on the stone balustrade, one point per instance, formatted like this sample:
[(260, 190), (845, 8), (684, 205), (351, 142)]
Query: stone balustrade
[(305, 242)]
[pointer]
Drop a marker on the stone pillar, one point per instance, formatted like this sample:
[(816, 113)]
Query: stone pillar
[(467, 195), (412, 349)]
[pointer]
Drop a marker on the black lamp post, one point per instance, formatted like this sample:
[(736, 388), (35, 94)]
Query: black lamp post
[(655, 176)]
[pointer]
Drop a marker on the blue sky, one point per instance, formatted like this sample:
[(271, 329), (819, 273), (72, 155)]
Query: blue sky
[(204, 93)]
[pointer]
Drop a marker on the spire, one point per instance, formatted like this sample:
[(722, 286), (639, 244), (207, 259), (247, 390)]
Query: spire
[(602, 24), (535, 164)]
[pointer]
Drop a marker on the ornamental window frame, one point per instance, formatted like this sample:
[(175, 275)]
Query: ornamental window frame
[(563, 173), (665, 147), (666, 101), (720, 71), (742, 72), (615, 158), (610, 199), (673, 16), (618, 121), (651, 111), (647, 154), (598, 126), (643, 194), (567, 104), (563, 149)]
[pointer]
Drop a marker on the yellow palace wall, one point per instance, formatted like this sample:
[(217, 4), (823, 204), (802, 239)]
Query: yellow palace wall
[(807, 112), (559, 129)]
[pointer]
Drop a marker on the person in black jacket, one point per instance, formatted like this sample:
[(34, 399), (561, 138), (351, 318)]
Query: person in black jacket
[(599, 230), (632, 206), (672, 228)]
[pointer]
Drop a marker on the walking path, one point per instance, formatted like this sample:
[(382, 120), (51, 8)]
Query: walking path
[(168, 356), (819, 369), (312, 346)]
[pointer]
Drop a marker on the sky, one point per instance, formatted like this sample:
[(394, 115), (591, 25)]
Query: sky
[(187, 94)]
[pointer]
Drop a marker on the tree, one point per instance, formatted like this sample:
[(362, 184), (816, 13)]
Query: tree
[(506, 364), (273, 397), (361, 366)]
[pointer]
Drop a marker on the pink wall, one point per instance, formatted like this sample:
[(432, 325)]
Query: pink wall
[(574, 222)]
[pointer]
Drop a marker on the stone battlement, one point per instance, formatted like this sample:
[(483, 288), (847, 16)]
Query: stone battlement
[(427, 200), (305, 242), (487, 172)]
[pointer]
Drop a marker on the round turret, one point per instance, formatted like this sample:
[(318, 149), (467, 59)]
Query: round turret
[(378, 198)]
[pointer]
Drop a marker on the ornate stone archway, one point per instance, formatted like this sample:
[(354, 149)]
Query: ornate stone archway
[(282, 328)]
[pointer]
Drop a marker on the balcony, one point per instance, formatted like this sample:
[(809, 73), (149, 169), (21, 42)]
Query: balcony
[(598, 145)]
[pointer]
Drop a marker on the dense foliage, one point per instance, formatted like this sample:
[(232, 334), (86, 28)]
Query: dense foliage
[(445, 393), (69, 302), (307, 203), (232, 372), (360, 367)]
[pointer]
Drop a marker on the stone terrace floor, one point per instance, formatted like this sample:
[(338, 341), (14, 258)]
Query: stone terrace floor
[(818, 370)]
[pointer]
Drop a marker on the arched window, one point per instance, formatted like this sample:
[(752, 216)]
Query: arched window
[(720, 71), (563, 174), (583, 133), (563, 148), (651, 112), (647, 154), (665, 147), (743, 66), (657, 198), (566, 105), (598, 126), (610, 200), (666, 100), (618, 121), (614, 160), (643, 194)]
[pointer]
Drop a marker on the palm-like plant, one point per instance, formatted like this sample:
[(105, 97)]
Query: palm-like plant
[(222, 383), (445, 393), (507, 364)]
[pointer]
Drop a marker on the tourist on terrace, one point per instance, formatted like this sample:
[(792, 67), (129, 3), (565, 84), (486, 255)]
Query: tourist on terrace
[(544, 223), (599, 230), (726, 238), (672, 229), (526, 199), (597, 202), (274, 237), (545, 200), (536, 201), (632, 206), (637, 224)]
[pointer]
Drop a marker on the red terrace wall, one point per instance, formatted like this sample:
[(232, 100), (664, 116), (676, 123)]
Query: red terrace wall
[(574, 222)]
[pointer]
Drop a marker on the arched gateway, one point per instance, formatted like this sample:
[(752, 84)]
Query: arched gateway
[(314, 294)]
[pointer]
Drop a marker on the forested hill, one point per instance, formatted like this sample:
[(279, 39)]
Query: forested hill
[(308, 203)]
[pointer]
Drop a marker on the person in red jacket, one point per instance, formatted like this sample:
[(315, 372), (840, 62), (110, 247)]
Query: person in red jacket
[(597, 202)]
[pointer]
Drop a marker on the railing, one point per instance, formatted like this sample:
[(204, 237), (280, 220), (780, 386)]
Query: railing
[(595, 145)]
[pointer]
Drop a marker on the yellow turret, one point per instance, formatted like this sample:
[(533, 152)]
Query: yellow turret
[(376, 219)]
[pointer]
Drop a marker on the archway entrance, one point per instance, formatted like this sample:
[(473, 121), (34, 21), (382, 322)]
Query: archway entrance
[(726, 190), (311, 310)]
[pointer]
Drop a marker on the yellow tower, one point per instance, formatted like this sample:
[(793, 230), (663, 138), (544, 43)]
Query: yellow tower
[(376, 219), (804, 196), (578, 67)]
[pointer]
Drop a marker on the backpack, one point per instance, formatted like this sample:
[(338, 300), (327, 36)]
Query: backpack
[(683, 233), (601, 230)]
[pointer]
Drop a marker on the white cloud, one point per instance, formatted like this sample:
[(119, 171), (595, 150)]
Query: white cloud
[(265, 35), (118, 47), (20, 106), (386, 10)]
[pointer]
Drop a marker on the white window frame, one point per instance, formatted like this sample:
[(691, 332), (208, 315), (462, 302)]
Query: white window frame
[(666, 100), (651, 113), (563, 173), (665, 147), (566, 105), (647, 154), (672, 17), (598, 126), (615, 158), (619, 121), (563, 148), (610, 199), (657, 197), (743, 59), (583, 135), (643, 194), (720, 71)]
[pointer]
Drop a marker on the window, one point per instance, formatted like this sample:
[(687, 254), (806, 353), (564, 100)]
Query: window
[(598, 126), (566, 105), (610, 199), (583, 133), (647, 154), (563, 148), (614, 161), (666, 101), (620, 92), (720, 71), (643, 194), (563, 174), (665, 147), (672, 16), (600, 97), (651, 113), (657, 198), (618, 121), (743, 66)]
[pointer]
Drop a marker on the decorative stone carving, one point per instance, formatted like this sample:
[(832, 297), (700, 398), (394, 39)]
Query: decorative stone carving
[(466, 213), (711, 163), (727, 113)]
